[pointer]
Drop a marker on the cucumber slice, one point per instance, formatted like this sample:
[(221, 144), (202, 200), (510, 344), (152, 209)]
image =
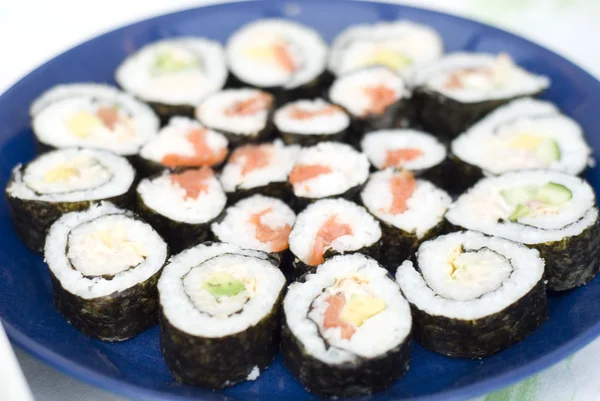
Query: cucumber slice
[(553, 194), (548, 151), (520, 211), (518, 195), (165, 63)]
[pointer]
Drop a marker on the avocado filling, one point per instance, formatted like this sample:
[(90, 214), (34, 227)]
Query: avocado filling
[(222, 284)]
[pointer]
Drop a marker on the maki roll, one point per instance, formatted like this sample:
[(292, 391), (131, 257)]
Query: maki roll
[(375, 97), (104, 265), (183, 143), (523, 134), (409, 210), (552, 212), (260, 169), (174, 75), (460, 88), (399, 45), (219, 314), (283, 57), (408, 149), (472, 295), (346, 329), (181, 206), (329, 227), (308, 122), (62, 181), (326, 170), (242, 115), (92, 116)]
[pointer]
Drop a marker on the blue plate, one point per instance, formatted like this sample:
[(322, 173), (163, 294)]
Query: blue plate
[(135, 368)]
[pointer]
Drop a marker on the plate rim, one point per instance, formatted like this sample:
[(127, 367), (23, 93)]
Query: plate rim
[(124, 388)]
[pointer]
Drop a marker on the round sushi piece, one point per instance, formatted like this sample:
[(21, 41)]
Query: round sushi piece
[(409, 210), (183, 143), (524, 134), (92, 116), (262, 169), (407, 149), (281, 56), (104, 265), (346, 329), (472, 295), (174, 75), (460, 88), (243, 115), (62, 181), (329, 227), (219, 314), (375, 97), (308, 122), (552, 212), (402, 46), (181, 206), (328, 169)]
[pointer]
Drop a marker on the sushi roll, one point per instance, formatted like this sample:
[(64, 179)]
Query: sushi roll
[(326, 170), (104, 266), (262, 169), (329, 227), (472, 295), (524, 134), (552, 212), (219, 314), (92, 116), (181, 206), (346, 328), (308, 122), (402, 46), (62, 181), (174, 75), (407, 149), (283, 57), (460, 88), (183, 143), (375, 97), (409, 210)]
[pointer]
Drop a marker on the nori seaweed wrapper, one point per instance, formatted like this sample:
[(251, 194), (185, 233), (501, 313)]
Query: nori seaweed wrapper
[(220, 362), (115, 317), (361, 377), (299, 203), (485, 336), (166, 111), (275, 189), (462, 175), (293, 138)]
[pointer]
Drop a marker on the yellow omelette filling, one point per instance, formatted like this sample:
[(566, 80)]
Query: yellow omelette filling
[(387, 57), (275, 51)]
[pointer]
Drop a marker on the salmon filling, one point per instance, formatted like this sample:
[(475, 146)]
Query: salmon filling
[(193, 181), (402, 187), (305, 172), (203, 154), (331, 319), (394, 158), (252, 157), (250, 107), (380, 97), (278, 237), (298, 113), (329, 232)]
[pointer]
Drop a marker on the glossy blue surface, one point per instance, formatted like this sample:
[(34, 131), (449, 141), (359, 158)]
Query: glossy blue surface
[(135, 368)]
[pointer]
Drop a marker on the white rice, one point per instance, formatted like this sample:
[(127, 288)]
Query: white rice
[(307, 48), (89, 255), (483, 206), (487, 144), (282, 159), (426, 206), (376, 144), (55, 108), (499, 273), (185, 87), (377, 335), (365, 229), (97, 175), (213, 112), (349, 169), (190, 310), (348, 90), (357, 46), (172, 139), (237, 228), (506, 80), (322, 124)]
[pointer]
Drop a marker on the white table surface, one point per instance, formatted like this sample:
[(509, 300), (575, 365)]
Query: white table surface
[(45, 28)]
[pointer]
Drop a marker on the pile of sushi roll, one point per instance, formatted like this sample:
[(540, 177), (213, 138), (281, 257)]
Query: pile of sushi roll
[(334, 203)]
